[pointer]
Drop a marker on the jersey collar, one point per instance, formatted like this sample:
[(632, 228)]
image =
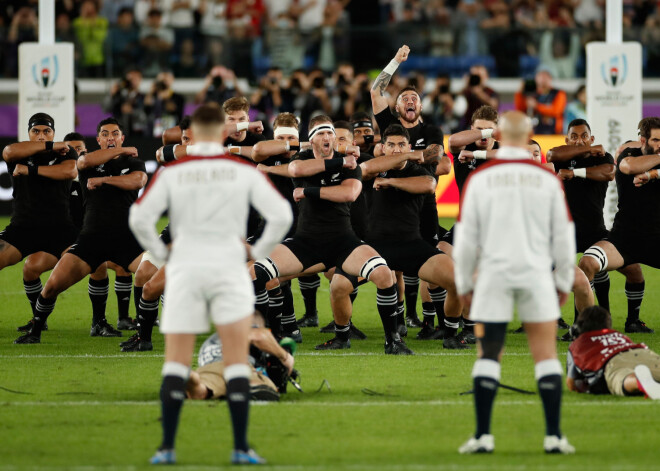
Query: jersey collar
[(205, 149), (512, 153)]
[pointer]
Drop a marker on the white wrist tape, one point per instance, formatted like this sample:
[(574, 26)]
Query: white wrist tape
[(287, 146), (234, 149), (479, 154), (391, 67), (486, 133), (242, 126), (580, 172)]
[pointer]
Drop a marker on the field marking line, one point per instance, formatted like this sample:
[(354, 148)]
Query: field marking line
[(299, 354), (326, 403)]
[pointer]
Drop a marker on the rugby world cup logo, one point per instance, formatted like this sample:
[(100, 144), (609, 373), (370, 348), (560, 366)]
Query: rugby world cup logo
[(614, 70), (46, 71)]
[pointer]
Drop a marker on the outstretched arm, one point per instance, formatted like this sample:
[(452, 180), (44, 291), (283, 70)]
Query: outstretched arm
[(378, 100), (415, 185)]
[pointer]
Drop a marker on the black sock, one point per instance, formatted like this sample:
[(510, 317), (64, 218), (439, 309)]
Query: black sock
[(550, 392), (602, 287), (238, 400), (288, 313), (635, 294), (485, 390), (32, 291), (428, 312), (386, 300), (410, 293), (98, 295), (451, 326), (438, 296), (353, 295), (308, 288), (148, 314), (123, 285), (43, 308), (400, 313), (468, 325), (342, 332), (275, 305), (137, 294), (172, 394)]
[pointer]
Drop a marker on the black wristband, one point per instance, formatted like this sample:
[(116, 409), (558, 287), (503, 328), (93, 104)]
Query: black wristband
[(294, 148), (312, 192), (168, 153), (33, 170), (334, 165), (49, 145)]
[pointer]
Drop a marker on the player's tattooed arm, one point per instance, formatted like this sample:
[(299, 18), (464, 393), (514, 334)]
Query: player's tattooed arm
[(378, 100), (432, 153)]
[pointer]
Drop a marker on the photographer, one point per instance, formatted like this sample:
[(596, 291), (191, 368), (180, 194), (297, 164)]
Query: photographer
[(272, 97), (351, 93), (442, 108), (126, 103), (310, 96), (163, 105), (219, 86), (477, 93), (543, 103), (601, 360)]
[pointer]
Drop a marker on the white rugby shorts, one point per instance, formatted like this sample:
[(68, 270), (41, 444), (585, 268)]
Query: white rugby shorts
[(199, 295), (147, 257), (494, 300)]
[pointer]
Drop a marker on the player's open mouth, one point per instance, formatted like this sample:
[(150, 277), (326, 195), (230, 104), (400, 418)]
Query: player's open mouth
[(111, 146), (326, 146)]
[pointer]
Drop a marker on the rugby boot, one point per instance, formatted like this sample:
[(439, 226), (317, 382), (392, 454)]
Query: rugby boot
[(413, 321), (308, 320), (249, 457), (483, 444), (561, 324), (126, 323), (132, 339), (455, 343), (557, 446), (397, 347), (28, 338), (163, 457), (638, 326), (103, 329), (334, 344), (430, 333), (355, 333), (138, 346), (468, 336), (28, 326), (295, 334), (328, 329)]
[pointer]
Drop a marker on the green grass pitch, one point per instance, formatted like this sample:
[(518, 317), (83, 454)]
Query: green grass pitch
[(78, 403)]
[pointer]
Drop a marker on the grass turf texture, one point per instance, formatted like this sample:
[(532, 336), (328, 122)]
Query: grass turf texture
[(77, 403)]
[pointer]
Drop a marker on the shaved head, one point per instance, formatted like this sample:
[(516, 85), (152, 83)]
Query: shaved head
[(515, 129)]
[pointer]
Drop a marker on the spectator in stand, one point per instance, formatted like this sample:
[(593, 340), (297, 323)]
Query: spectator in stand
[(557, 55), (441, 35), (219, 86), (589, 13), (576, 109), (651, 40), (271, 97), (186, 62), (242, 31), (63, 29), (143, 7), (23, 28), (157, 41), (310, 96), (636, 13), (91, 31), (309, 14), (350, 93), (181, 17), (469, 15), (284, 43), (126, 103), (214, 29), (163, 105), (124, 41), (443, 109), (543, 103), (112, 9), (477, 93)]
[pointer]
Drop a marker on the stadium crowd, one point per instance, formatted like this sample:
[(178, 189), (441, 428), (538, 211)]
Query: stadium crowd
[(189, 37)]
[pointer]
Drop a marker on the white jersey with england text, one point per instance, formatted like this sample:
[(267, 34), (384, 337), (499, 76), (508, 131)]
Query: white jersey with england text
[(207, 196), (514, 225)]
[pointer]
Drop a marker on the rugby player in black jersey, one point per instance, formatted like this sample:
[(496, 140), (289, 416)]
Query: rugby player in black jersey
[(422, 136), (636, 229), (326, 183), (586, 170), (111, 178), (394, 220), (40, 228)]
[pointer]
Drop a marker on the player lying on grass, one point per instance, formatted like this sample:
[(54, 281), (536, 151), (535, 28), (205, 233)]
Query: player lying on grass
[(271, 366), (603, 361)]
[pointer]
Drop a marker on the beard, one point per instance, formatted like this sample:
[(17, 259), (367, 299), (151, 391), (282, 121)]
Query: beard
[(404, 116)]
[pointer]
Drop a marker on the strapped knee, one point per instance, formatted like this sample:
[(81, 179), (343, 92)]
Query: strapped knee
[(265, 270), (370, 265), (599, 255)]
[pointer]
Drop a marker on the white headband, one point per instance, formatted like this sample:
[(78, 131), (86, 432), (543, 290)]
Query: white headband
[(285, 130), (321, 127)]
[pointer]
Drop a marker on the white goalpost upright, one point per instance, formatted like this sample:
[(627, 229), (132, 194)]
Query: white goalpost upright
[(614, 91), (46, 77)]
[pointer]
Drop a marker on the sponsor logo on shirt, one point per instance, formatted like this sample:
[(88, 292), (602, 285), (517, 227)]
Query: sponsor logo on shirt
[(124, 170), (52, 162), (419, 142)]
